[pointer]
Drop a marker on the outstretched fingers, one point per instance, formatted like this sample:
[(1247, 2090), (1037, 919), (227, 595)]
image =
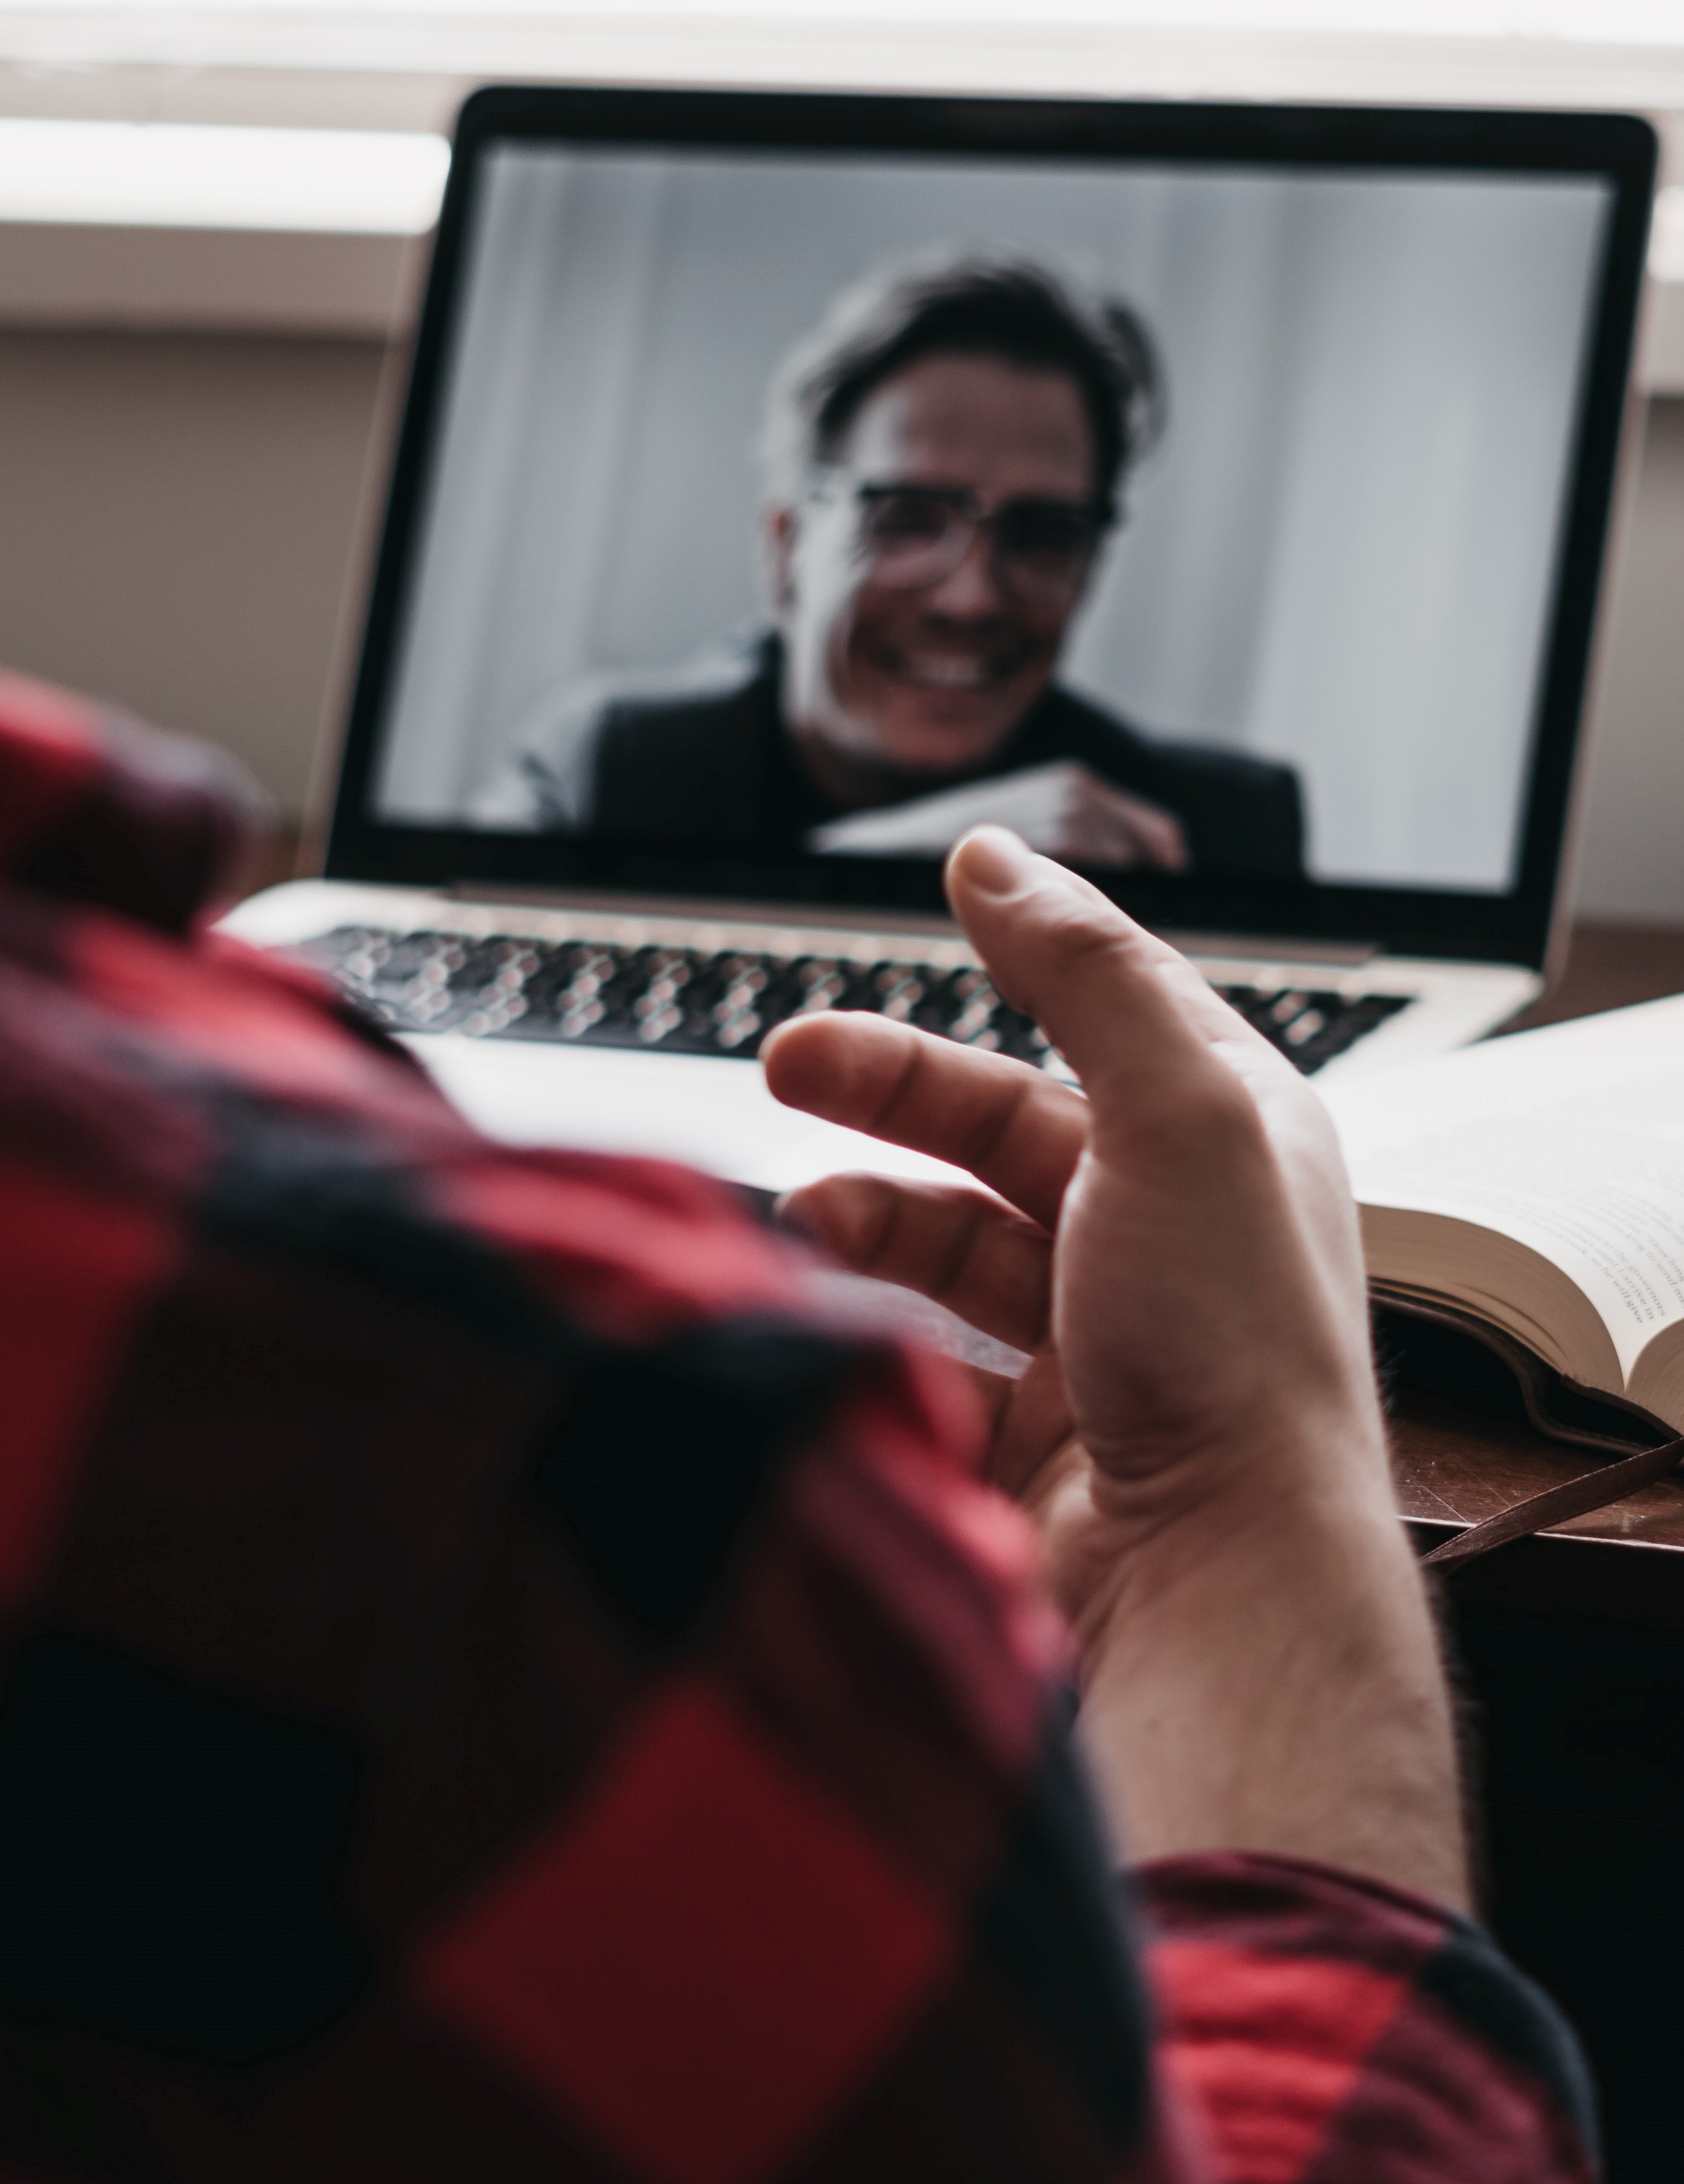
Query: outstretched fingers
[(970, 1253), (1004, 1123), (1137, 1022)]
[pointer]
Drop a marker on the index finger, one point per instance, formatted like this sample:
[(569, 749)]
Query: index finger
[(1136, 1022), (1005, 1122)]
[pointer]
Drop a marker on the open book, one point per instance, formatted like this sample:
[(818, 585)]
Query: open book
[(1535, 1186)]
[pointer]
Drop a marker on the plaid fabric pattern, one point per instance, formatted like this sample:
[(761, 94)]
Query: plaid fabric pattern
[(494, 1685)]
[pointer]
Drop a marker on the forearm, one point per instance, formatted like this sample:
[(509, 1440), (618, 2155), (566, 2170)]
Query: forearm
[(1273, 1684)]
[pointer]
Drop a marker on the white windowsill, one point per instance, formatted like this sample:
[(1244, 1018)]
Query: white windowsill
[(1659, 365), (347, 288), (387, 69), (365, 287)]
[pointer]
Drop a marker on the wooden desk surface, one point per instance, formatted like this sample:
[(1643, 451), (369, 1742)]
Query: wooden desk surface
[(1456, 1466)]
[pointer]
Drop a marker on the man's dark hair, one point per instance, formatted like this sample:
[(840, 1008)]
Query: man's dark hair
[(970, 305)]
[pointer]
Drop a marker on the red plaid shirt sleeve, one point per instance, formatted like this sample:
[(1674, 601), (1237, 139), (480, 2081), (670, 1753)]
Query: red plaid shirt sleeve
[(495, 1683)]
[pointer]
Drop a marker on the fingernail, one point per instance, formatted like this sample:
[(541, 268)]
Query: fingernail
[(994, 859)]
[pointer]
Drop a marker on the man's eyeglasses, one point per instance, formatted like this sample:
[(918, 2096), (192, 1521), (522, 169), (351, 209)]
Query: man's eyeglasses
[(915, 535)]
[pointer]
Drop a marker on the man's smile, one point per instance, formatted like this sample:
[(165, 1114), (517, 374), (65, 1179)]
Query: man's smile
[(951, 667)]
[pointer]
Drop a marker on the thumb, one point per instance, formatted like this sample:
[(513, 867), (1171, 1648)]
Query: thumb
[(1133, 1018)]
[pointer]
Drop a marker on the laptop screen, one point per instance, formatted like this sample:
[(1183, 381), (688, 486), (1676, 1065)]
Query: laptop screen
[(790, 509)]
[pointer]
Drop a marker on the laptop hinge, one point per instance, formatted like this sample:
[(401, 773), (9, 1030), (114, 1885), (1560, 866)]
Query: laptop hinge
[(848, 917), (1266, 948), (1270, 948)]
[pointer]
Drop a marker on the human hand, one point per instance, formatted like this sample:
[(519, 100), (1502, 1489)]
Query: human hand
[(1198, 1431), (1061, 809), (1178, 1251)]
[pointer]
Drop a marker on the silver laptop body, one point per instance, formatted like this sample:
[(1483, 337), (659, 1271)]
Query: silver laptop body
[(788, 482)]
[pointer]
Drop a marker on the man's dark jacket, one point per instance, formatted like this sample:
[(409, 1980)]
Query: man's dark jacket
[(721, 764)]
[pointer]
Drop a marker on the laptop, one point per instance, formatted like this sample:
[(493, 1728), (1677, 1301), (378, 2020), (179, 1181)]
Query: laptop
[(789, 483)]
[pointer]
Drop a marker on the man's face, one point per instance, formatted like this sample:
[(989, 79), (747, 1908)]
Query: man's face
[(929, 678)]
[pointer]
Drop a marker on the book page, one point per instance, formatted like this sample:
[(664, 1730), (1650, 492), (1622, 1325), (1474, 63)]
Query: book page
[(1569, 1140), (1605, 1204), (1529, 1073)]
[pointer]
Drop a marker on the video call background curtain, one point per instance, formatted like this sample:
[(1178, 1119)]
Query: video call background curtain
[(1340, 555)]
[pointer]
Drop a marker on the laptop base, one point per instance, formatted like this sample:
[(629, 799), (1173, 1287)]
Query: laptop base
[(714, 1111)]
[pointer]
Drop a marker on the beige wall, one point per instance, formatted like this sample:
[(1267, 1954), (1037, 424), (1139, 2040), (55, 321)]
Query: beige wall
[(178, 518), (175, 521), (1632, 864)]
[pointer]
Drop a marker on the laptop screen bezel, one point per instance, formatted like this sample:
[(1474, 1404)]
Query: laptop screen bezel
[(1510, 928)]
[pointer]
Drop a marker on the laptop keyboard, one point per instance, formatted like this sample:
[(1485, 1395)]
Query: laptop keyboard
[(679, 1001)]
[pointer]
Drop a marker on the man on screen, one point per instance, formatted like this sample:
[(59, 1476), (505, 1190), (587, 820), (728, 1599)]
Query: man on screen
[(945, 455)]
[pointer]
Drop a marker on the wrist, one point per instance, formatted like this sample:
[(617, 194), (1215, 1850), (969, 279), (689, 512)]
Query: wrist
[(1268, 1680), (1324, 1465)]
